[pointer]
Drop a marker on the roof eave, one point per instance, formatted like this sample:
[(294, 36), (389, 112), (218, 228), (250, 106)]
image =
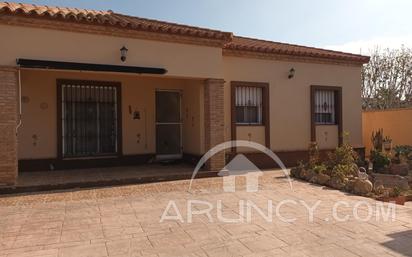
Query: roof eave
[(111, 30), (357, 61)]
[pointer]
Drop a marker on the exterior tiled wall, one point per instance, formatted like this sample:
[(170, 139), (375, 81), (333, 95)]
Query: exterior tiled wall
[(8, 121), (214, 121)]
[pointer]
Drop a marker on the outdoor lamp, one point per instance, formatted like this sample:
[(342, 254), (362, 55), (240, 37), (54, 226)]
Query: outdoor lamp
[(291, 73), (123, 52)]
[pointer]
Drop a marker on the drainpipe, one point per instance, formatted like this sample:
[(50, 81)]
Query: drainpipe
[(19, 99)]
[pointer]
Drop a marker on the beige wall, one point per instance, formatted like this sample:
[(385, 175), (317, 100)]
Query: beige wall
[(327, 136), (290, 98), (193, 118), (397, 124), (289, 106), (137, 91), (180, 60), (250, 133)]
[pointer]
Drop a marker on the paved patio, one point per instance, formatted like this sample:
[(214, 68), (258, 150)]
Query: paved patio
[(124, 221)]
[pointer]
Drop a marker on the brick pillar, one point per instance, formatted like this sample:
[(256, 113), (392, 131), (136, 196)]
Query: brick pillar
[(214, 121), (8, 122)]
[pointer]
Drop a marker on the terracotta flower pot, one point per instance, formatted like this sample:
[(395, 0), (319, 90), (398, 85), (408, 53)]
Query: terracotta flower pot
[(398, 200), (387, 146)]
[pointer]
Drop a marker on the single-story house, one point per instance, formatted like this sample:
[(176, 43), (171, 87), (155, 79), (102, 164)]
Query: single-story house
[(85, 88)]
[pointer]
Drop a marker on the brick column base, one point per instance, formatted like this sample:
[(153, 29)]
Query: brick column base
[(214, 121), (8, 122)]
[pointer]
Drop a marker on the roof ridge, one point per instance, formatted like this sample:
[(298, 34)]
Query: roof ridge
[(59, 8), (114, 19), (171, 23), (296, 45)]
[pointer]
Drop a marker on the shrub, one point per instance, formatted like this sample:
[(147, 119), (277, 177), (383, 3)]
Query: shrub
[(314, 157), (395, 192), (296, 171), (342, 171), (379, 160), (403, 152), (320, 169), (343, 155), (342, 162)]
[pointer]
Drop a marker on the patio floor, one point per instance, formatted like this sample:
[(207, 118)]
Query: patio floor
[(98, 177), (124, 221)]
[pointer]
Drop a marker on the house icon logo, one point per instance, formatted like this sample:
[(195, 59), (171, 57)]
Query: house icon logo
[(240, 166)]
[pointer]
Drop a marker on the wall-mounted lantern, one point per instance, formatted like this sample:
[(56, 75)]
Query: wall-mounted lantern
[(291, 73), (123, 53)]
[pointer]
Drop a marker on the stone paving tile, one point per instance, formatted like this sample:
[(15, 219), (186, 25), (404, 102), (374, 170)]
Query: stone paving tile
[(6, 242), (39, 253), (327, 251), (131, 246), (170, 239), (241, 229), (96, 250), (205, 235), (262, 243), (22, 250), (36, 240), (125, 221), (275, 252), (81, 234), (110, 232), (79, 223), (67, 244), (228, 248)]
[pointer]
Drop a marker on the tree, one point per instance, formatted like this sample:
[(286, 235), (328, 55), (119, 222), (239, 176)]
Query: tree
[(387, 79)]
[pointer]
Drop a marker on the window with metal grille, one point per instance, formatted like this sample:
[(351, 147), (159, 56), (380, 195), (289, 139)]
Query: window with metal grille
[(248, 105), (89, 120), (325, 107)]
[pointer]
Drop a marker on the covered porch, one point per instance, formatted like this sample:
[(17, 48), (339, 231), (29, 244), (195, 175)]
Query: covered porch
[(71, 126)]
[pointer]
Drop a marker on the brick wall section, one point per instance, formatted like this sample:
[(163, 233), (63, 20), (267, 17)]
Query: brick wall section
[(8, 122), (214, 121)]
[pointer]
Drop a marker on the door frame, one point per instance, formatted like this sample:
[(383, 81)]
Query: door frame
[(176, 156)]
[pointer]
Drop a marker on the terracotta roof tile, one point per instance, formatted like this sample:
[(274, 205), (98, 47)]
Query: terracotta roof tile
[(264, 46), (141, 24), (113, 19)]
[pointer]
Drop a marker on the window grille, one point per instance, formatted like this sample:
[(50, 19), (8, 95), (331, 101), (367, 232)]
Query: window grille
[(89, 120), (248, 105), (325, 107)]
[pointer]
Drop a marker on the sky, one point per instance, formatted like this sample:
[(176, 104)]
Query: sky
[(355, 26)]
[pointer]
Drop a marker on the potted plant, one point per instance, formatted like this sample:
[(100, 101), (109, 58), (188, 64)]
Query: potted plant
[(387, 144), (377, 140), (393, 195), (380, 161), (404, 153)]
